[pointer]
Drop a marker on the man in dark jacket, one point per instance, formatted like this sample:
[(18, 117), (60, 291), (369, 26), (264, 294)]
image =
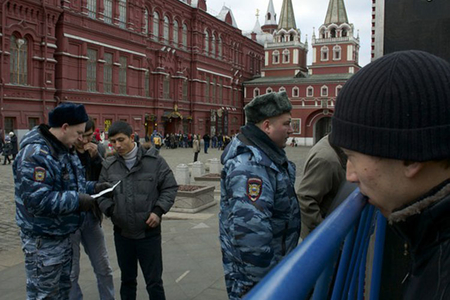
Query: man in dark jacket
[(147, 190), (392, 121)]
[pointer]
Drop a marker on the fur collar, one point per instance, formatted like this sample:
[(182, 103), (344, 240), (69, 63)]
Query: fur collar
[(436, 195)]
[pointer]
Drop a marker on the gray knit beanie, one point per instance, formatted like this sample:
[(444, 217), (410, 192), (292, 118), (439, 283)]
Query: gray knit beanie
[(267, 106), (396, 107)]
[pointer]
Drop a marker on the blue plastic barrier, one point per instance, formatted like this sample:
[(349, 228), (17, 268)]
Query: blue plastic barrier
[(295, 276)]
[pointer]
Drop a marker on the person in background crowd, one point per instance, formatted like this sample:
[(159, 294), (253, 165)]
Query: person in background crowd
[(206, 140), (146, 191), (7, 149), (214, 141), (392, 121), (323, 175), (259, 219), (50, 194), (90, 234), (196, 147), (137, 139), (15, 148)]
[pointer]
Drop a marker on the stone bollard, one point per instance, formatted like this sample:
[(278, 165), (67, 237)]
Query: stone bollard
[(215, 166), (198, 169), (182, 174)]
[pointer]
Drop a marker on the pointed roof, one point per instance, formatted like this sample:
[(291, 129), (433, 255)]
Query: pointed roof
[(336, 12), (223, 15), (287, 18), (271, 16), (257, 27)]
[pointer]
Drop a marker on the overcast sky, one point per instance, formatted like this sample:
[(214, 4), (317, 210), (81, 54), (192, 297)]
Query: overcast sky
[(308, 14)]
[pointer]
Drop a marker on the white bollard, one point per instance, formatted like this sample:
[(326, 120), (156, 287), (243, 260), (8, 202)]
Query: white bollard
[(215, 166), (182, 174), (198, 169)]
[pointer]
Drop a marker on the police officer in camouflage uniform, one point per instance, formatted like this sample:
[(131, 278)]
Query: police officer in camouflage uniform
[(51, 193), (259, 217)]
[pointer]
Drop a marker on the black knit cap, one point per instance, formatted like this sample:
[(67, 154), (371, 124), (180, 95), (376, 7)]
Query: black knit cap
[(396, 107), (69, 113)]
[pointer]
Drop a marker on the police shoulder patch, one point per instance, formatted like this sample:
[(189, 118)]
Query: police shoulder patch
[(39, 174), (254, 188)]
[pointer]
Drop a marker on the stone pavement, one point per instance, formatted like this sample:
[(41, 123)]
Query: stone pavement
[(191, 249)]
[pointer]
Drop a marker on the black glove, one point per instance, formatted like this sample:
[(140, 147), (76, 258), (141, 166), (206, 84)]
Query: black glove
[(86, 202), (102, 186)]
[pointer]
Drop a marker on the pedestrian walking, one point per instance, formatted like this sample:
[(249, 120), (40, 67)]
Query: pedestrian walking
[(259, 219), (15, 148), (7, 149), (146, 191), (206, 140), (50, 194), (196, 147)]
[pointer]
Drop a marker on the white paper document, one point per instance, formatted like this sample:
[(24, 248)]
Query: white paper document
[(106, 191)]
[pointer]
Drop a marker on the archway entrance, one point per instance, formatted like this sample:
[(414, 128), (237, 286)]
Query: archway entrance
[(322, 128)]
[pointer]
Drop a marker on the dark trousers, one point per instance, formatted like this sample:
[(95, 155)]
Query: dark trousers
[(195, 156), (147, 252)]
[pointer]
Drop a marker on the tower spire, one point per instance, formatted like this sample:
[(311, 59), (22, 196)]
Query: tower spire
[(336, 12), (287, 18)]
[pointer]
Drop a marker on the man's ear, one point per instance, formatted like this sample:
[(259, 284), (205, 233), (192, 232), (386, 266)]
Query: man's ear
[(265, 126), (132, 137), (64, 127), (412, 168)]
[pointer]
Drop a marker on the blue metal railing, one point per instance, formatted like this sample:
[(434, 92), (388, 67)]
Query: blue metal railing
[(295, 276)]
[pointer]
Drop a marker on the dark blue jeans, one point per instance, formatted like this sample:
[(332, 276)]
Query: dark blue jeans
[(147, 252)]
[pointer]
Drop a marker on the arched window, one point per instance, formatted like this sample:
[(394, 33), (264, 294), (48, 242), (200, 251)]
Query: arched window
[(333, 32), (269, 90), (175, 33), (275, 57), (344, 32), (295, 92), (184, 36), (213, 46), (155, 26), (256, 92), (145, 25), (220, 47), (123, 14), (322, 33), (282, 89), (310, 91), (286, 56), (166, 30), (336, 52), (18, 61), (338, 89), (324, 53), (206, 42), (324, 91)]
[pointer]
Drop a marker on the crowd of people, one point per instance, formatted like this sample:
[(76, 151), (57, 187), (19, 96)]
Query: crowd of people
[(390, 137)]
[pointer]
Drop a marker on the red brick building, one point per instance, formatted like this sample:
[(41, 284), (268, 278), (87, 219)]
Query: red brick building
[(165, 65), (312, 89)]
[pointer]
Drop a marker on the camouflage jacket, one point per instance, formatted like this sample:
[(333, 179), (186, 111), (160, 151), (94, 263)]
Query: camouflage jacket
[(48, 178), (259, 219)]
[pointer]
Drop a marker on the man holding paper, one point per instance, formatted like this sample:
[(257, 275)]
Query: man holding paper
[(147, 189), (51, 194)]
